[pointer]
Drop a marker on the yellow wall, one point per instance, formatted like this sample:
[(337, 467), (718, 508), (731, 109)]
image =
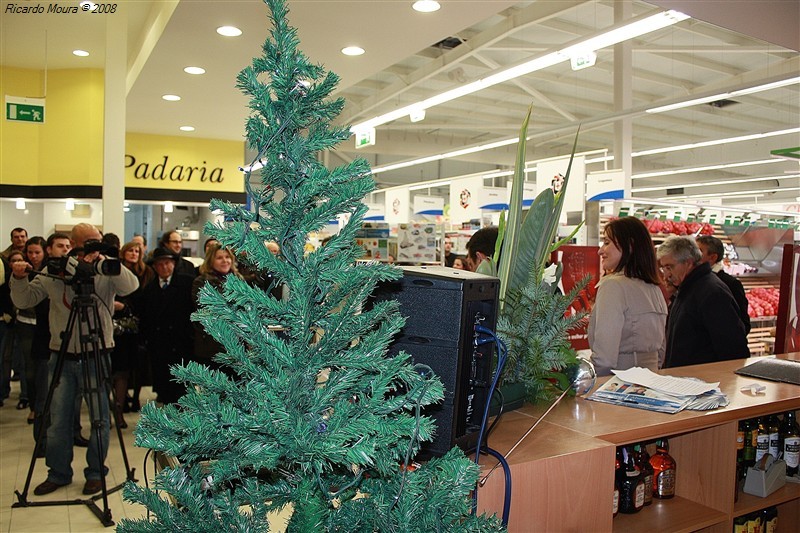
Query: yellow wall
[(68, 148), (187, 163)]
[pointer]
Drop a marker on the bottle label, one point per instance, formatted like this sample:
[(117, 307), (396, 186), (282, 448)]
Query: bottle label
[(772, 525), (773, 444), (665, 483), (648, 493), (791, 451), (616, 501), (639, 497), (762, 445), (740, 440)]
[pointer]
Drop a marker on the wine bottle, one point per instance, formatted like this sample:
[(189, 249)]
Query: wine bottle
[(762, 438), (773, 427), (664, 471), (791, 443), (631, 485), (643, 463)]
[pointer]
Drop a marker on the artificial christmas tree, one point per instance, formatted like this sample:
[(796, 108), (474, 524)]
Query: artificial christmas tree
[(315, 418)]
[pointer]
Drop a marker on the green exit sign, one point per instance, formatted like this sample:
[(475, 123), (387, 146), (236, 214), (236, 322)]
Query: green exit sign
[(25, 109)]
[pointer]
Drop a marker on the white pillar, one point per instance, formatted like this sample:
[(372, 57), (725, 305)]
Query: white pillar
[(114, 123), (623, 98)]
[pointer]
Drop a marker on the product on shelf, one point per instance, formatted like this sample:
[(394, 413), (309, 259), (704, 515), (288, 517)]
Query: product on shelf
[(790, 432), (763, 302), (616, 485), (631, 484), (762, 439), (643, 462), (664, 471)]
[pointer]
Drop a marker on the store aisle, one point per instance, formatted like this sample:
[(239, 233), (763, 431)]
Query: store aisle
[(16, 445)]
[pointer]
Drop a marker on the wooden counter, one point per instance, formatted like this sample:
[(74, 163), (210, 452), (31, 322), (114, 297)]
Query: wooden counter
[(563, 472)]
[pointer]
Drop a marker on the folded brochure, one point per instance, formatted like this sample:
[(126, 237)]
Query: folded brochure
[(644, 389)]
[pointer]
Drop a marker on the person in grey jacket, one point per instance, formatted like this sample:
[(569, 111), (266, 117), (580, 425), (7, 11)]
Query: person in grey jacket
[(25, 293), (626, 327)]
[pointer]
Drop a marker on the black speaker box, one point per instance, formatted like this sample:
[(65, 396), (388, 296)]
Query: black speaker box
[(441, 306)]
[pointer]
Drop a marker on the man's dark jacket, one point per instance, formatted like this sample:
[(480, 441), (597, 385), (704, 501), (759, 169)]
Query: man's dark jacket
[(703, 325), (738, 294)]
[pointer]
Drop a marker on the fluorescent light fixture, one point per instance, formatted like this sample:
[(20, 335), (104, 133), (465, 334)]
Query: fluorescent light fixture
[(80, 53), (168, 207), (229, 31), (20, 203), (446, 155), (723, 96), (426, 6), (171, 97), (736, 193), (352, 51), (187, 128), (702, 169), (417, 115), (714, 142), (713, 183), (628, 30), (194, 70), (69, 205), (429, 185)]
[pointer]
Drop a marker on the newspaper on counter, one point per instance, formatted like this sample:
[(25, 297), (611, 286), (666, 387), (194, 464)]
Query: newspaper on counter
[(643, 389)]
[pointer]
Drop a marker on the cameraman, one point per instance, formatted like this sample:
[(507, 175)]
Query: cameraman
[(61, 292)]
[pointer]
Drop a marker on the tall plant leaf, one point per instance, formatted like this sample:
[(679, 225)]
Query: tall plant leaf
[(511, 234)]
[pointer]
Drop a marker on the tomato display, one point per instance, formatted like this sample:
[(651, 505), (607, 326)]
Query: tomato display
[(678, 227), (762, 302)]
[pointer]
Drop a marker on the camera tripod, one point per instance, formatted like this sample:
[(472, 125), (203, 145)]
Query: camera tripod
[(84, 319)]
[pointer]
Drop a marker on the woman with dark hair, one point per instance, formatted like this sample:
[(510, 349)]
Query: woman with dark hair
[(219, 263), (128, 360), (626, 327), (35, 253)]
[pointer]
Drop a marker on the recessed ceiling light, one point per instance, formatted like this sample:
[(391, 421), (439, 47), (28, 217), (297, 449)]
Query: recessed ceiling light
[(171, 97), (187, 128), (80, 53), (229, 31), (426, 6), (194, 70), (352, 50)]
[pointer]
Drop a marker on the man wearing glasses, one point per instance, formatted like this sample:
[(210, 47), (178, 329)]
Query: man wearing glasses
[(172, 241), (703, 325)]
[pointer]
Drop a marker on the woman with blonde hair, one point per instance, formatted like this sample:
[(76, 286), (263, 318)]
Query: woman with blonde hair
[(219, 263)]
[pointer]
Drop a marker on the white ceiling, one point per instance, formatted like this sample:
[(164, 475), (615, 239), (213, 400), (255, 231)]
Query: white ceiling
[(402, 66)]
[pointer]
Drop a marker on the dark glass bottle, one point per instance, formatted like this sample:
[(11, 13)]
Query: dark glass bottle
[(631, 485), (749, 451), (762, 438), (791, 443), (643, 463), (774, 429), (616, 484), (769, 520), (664, 471)]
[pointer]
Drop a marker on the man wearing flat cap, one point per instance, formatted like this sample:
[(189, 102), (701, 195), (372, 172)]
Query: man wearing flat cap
[(166, 324)]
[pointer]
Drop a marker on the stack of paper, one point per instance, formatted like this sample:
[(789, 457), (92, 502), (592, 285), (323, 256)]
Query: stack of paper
[(644, 389)]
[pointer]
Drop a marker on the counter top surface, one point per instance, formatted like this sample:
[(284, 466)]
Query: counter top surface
[(621, 425)]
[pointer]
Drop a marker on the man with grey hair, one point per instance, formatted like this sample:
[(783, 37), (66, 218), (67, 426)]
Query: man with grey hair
[(713, 251), (703, 325)]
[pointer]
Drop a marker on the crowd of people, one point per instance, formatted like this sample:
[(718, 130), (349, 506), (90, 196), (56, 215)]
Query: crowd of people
[(144, 323), (656, 308)]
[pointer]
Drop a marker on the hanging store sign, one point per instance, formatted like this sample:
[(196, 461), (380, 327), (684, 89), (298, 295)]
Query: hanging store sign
[(20, 109)]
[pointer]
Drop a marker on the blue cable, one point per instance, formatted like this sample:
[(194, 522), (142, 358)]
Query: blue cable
[(502, 354)]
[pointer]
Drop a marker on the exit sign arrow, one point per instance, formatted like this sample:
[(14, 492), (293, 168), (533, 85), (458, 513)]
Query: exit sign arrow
[(25, 109)]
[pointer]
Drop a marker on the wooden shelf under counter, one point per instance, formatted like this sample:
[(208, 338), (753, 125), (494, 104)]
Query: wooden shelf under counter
[(563, 473)]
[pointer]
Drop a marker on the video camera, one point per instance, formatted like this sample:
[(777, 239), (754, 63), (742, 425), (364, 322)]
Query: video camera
[(73, 268)]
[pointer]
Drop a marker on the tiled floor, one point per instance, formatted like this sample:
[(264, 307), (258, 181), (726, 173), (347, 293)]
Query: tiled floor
[(16, 445)]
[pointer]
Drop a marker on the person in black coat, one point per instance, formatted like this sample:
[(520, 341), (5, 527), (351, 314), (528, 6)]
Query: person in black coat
[(713, 252), (172, 242), (703, 325), (166, 308)]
